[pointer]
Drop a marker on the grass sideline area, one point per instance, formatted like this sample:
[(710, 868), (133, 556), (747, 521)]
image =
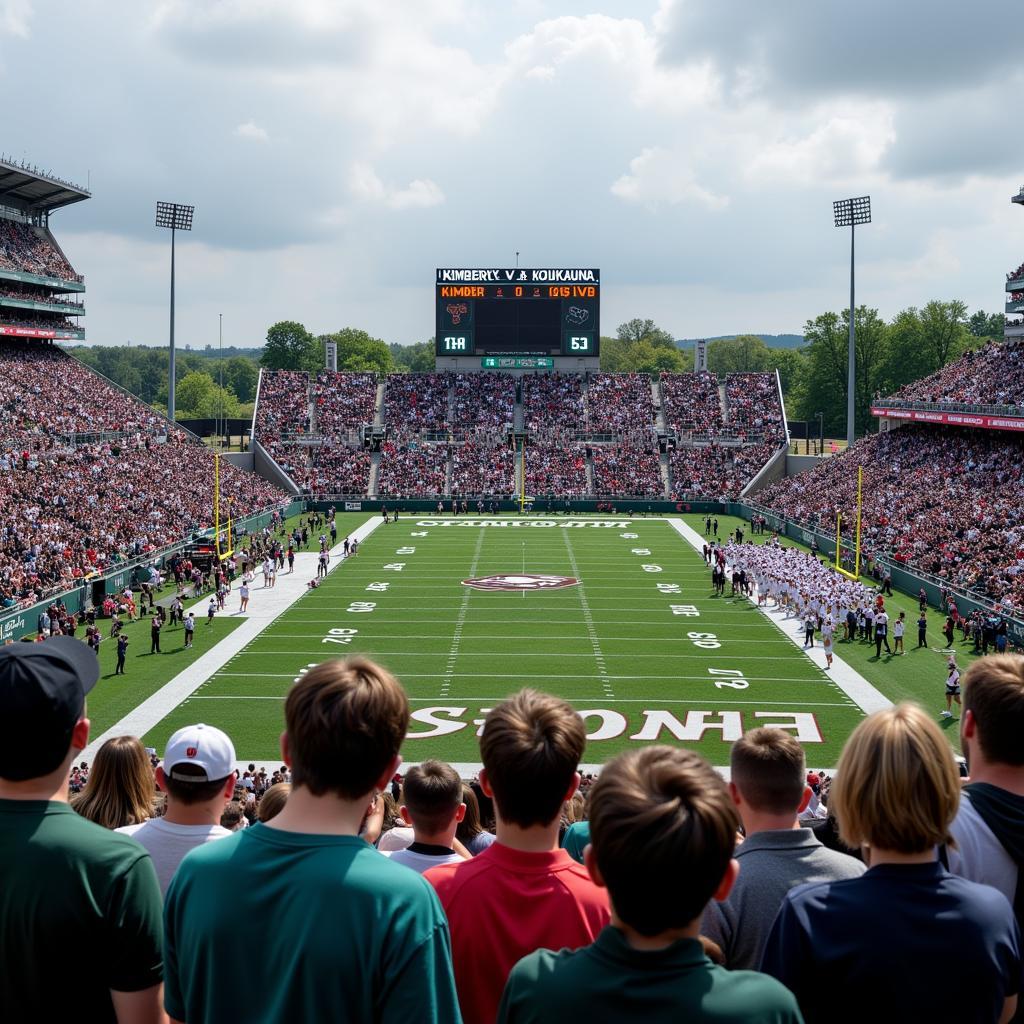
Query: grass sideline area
[(115, 696), (616, 644)]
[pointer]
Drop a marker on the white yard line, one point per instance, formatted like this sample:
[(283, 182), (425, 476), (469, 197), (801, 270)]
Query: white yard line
[(850, 681), (453, 651), (265, 605)]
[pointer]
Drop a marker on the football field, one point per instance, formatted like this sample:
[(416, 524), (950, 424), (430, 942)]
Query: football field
[(615, 615)]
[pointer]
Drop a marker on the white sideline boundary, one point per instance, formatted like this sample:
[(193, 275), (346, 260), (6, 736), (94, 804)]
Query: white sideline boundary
[(848, 679), (265, 605)]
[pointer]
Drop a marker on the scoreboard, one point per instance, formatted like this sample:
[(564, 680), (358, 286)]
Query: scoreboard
[(518, 312)]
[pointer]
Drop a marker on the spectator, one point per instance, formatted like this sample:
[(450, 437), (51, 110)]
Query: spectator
[(69, 884), (523, 892), (273, 800), (354, 936), (691, 403), (120, 790), (663, 835), (411, 469), (432, 805), (619, 403), (835, 944), (768, 786), (989, 827), (198, 779), (556, 469), (628, 468), (232, 818), (470, 832), (553, 401)]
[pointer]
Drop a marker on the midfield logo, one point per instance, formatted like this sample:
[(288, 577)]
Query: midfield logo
[(524, 581)]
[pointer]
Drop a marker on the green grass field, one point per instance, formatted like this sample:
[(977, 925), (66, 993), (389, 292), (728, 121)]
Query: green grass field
[(640, 645)]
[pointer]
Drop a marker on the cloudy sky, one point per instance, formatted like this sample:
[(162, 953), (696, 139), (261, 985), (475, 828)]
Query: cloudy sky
[(337, 152)]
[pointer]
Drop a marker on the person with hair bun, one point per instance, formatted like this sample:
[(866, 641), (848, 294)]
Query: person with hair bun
[(907, 941)]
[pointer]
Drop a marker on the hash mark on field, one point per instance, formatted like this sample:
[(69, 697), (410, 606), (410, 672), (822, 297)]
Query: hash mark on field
[(602, 668), (460, 621)]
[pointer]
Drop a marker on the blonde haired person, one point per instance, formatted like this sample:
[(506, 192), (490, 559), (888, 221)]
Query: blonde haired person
[(878, 947), (273, 801), (120, 790)]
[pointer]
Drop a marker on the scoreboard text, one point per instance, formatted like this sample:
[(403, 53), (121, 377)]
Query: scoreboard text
[(522, 311)]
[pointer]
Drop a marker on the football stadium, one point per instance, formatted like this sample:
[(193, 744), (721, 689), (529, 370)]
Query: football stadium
[(611, 636)]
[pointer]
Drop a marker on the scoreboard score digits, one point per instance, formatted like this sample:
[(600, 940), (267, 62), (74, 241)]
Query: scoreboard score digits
[(520, 311)]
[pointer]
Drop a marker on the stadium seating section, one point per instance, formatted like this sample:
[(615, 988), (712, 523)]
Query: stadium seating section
[(943, 500), (90, 477), (992, 375), (26, 248), (451, 434)]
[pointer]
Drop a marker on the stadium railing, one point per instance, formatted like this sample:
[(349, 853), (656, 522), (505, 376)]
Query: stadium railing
[(944, 406)]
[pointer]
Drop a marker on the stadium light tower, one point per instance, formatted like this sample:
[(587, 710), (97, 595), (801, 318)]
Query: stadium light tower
[(178, 218), (849, 213)]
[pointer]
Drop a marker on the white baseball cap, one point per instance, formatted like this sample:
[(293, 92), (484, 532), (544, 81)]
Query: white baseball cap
[(204, 746)]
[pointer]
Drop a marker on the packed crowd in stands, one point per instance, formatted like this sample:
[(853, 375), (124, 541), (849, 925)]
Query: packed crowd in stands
[(627, 469), (416, 402), (479, 468), (553, 401), (716, 471), (754, 409), (68, 510), (558, 469), (23, 248), (10, 317), (691, 403), (941, 499), (618, 402), (530, 894), (343, 403), (412, 469), (483, 400), (35, 293), (283, 410), (1014, 274), (991, 375), (339, 470)]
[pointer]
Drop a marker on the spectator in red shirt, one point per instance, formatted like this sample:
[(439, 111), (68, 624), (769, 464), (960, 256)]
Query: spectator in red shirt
[(523, 892)]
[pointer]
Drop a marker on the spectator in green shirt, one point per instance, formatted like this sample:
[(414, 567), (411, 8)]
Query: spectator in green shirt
[(344, 934), (68, 883), (663, 829)]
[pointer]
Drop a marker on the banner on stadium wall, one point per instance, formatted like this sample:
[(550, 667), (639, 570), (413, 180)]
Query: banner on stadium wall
[(353, 506), (39, 332), (26, 278), (953, 419)]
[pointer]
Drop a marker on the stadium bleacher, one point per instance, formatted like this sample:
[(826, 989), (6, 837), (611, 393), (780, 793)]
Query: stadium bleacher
[(90, 477)]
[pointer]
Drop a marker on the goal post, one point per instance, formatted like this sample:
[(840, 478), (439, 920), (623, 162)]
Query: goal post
[(855, 575), (227, 549)]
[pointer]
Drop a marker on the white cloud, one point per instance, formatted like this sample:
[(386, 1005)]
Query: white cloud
[(841, 147), (659, 175), (14, 17), (252, 131), (420, 193)]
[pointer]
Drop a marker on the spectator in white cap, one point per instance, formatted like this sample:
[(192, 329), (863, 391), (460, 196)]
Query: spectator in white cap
[(198, 776)]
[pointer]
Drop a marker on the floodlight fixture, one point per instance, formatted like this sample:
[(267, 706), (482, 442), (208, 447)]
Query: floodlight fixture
[(849, 213), (177, 217)]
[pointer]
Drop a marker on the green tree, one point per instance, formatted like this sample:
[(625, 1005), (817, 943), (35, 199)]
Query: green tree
[(417, 358), (240, 375), (193, 392), (792, 366), (983, 325), (746, 353), (360, 353), (636, 330), (825, 383), (944, 331), (291, 347)]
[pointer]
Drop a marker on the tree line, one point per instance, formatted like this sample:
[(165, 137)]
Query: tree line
[(889, 354)]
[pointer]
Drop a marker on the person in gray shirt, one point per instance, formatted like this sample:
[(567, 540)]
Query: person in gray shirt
[(768, 785)]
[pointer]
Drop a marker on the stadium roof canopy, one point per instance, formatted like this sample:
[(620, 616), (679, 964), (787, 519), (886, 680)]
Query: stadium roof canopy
[(29, 188)]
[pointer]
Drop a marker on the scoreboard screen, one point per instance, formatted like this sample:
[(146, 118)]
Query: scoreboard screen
[(518, 312)]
